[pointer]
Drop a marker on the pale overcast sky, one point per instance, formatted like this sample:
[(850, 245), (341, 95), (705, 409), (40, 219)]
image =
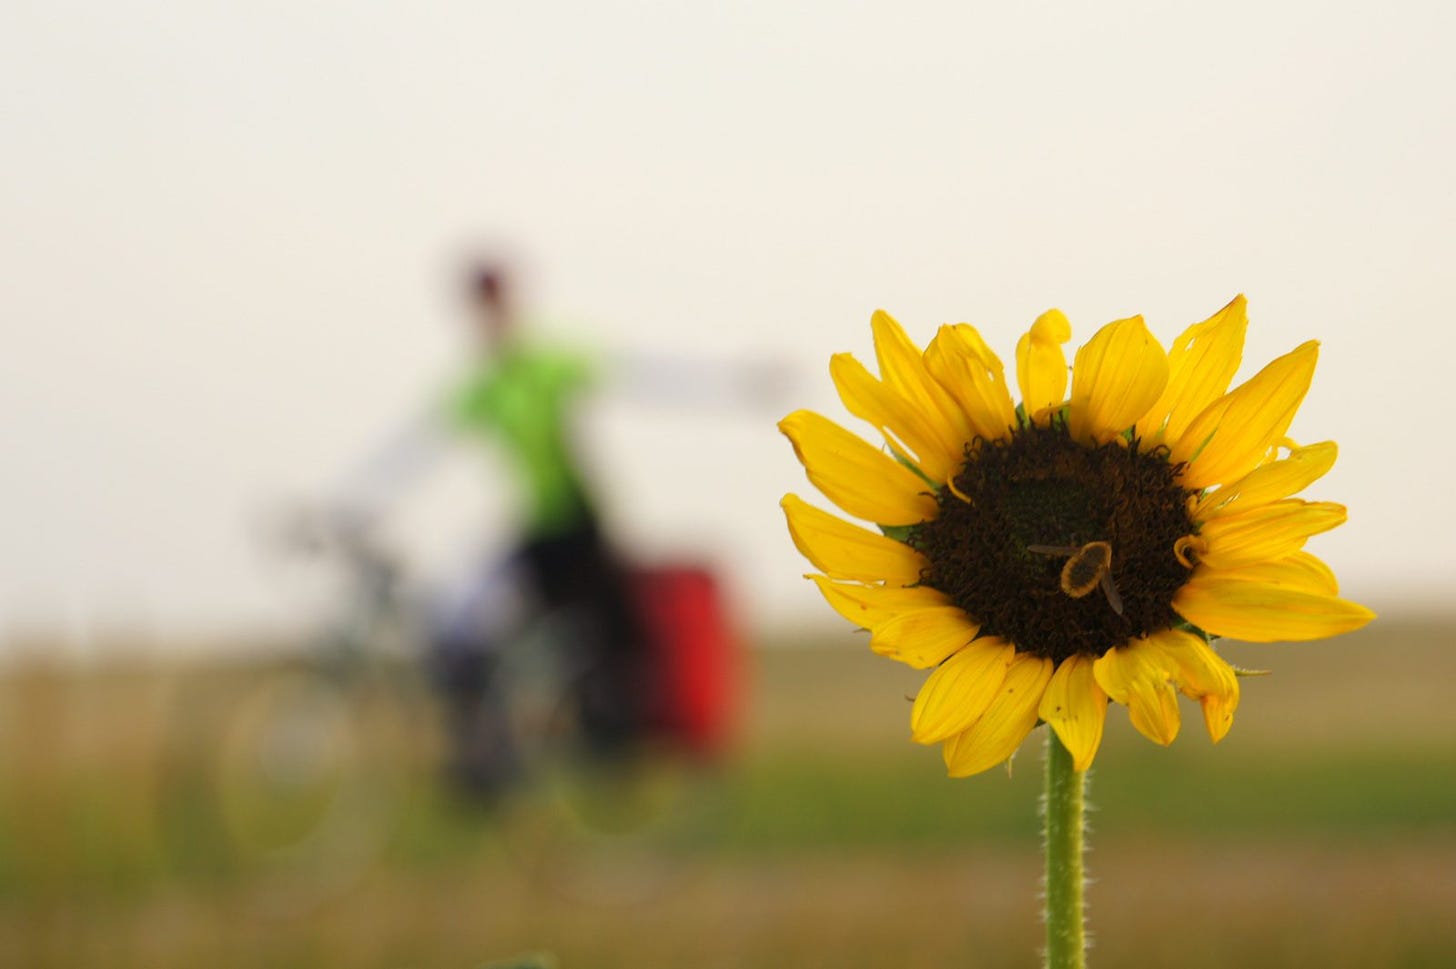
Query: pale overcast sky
[(227, 233)]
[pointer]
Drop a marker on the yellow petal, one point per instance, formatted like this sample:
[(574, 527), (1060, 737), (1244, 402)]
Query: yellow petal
[(1076, 707), (1205, 676), (1116, 377), (1231, 436), (1259, 613), (902, 367), (992, 739), (1041, 366), (924, 638), (855, 475), (1202, 362), (870, 606), (960, 361), (913, 432), (845, 551), (1301, 572), (1270, 531), (1140, 676), (960, 690), (1271, 482)]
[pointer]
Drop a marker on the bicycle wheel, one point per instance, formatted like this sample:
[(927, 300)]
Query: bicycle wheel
[(288, 780), (600, 824)]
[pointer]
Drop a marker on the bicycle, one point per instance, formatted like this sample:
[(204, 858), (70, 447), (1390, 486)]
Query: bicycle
[(298, 779)]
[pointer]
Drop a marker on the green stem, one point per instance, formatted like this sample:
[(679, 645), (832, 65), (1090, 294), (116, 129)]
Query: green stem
[(1066, 943)]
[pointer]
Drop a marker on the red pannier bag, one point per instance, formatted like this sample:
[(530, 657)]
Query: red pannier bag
[(692, 655)]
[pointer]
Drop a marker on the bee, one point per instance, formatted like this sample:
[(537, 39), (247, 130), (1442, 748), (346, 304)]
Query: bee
[(1087, 567)]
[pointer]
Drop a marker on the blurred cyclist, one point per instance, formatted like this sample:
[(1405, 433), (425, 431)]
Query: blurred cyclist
[(522, 397)]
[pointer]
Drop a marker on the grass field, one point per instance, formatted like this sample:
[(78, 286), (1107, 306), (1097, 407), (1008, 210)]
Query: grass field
[(1322, 832)]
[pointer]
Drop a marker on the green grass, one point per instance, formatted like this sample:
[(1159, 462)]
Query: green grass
[(1322, 831), (797, 804)]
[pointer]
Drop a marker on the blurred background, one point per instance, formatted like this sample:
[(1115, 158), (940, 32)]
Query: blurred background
[(230, 270)]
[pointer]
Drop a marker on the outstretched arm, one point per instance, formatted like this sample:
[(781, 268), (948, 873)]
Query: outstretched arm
[(375, 483), (745, 383)]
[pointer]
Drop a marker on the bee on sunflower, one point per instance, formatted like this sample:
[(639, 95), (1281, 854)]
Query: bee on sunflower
[(1081, 547)]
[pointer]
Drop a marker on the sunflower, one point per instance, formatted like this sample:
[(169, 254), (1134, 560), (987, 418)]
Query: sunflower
[(1083, 546)]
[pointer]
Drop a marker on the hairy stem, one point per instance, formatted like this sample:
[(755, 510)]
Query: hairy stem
[(1066, 943)]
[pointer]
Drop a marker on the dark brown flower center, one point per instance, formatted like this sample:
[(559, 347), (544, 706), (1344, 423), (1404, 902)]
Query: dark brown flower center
[(1022, 551)]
